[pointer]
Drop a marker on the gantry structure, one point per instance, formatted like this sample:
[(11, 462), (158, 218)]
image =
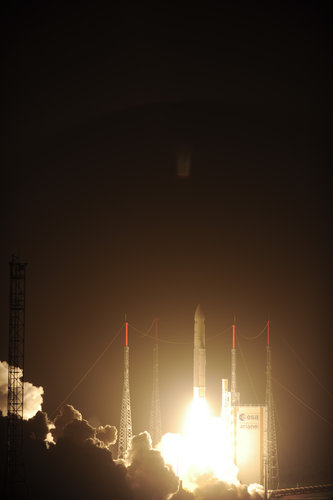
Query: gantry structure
[(272, 463), (15, 485), (155, 422), (125, 428), (235, 398)]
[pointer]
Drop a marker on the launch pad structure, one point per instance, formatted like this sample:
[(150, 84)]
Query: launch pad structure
[(271, 453), (251, 428), (15, 485), (155, 422), (125, 427)]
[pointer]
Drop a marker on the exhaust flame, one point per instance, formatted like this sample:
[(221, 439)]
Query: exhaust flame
[(203, 449)]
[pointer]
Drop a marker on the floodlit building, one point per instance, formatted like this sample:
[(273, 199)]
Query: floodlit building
[(247, 432)]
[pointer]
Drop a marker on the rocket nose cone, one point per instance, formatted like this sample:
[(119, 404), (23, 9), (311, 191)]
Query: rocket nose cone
[(199, 314)]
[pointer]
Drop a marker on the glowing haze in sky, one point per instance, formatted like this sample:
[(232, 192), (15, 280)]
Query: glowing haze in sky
[(154, 158)]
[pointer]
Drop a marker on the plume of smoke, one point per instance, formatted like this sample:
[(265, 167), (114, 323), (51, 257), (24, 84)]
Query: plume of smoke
[(214, 489), (66, 416), (147, 474), (81, 460), (183, 495), (70, 425), (107, 434), (33, 396), (80, 465), (256, 489), (79, 431), (37, 427)]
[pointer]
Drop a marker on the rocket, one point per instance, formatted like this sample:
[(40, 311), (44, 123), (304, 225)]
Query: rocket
[(199, 360)]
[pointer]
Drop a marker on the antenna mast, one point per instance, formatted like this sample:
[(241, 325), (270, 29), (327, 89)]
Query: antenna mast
[(125, 428), (155, 424), (233, 388), (272, 464), (15, 485)]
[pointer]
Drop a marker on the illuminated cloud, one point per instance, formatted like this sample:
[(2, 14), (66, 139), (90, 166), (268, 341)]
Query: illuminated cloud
[(66, 416), (79, 464), (148, 475), (70, 426), (33, 396), (107, 434)]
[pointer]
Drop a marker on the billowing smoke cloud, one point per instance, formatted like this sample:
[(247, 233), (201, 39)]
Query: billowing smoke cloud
[(79, 465), (183, 495), (148, 475), (37, 427), (33, 396), (211, 488), (107, 434), (214, 489), (79, 431), (70, 426), (66, 416)]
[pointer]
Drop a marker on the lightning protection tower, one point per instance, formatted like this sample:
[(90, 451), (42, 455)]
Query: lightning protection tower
[(15, 485), (155, 423), (234, 394), (125, 428), (272, 464)]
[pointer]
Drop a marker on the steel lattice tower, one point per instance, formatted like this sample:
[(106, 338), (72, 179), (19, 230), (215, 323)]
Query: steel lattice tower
[(155, 423), (15, 486), (125, 428), (233, 391), (272, 464)]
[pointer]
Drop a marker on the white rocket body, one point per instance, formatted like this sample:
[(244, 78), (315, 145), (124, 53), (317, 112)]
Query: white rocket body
[(199, 360)]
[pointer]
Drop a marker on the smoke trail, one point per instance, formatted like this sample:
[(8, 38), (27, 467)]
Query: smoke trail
[(33, 396)]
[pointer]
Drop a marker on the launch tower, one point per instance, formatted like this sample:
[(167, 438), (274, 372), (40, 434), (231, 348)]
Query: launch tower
[(234, 393), (272, 465), (125, 428), (15, 486), (155, 424)]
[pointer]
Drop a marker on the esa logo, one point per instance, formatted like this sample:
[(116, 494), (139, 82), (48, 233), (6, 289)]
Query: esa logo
[(244, 417)]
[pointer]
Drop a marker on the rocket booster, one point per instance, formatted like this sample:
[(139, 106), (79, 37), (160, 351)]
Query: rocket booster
[(199, 361)]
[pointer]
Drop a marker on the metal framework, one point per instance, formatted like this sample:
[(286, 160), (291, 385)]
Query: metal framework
[(155, 423), (15, 479), (233, 389), (272, 463), (125, 428)]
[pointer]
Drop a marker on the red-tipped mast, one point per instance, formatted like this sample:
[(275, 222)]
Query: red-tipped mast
[(156, 330), (234, 333), (126, 334), (234, 393)]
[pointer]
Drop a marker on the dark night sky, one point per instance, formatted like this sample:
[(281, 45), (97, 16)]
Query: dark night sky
[(100, 107)]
